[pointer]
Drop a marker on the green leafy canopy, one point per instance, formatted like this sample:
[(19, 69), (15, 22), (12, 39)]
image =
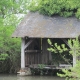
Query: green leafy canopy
[(64, 8)]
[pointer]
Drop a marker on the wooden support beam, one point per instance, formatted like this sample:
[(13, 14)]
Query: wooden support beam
[(66, 42), (22, 53), (74, 58), (33, 51), (28, 43), (74, 53)]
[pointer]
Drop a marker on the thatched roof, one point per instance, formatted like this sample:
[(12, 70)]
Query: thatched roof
[(37, 25)]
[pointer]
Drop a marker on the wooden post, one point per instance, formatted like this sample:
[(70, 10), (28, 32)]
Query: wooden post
[(74, 58), (22, 53), (74, 52)]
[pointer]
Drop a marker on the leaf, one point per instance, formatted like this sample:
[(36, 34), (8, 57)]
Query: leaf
[(60, 51), (56, 45), (59, 48), (65, 49), (49, 41), (63, 46), (70, 52), (51, 49)]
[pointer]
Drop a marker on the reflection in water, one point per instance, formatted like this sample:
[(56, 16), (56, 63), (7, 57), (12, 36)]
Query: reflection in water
[(39, 78), (15, 77), (21, 78)]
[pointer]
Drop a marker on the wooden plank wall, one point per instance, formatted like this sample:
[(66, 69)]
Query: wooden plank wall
[(33, 57), (46, 55), (43, 57), (44, 51)]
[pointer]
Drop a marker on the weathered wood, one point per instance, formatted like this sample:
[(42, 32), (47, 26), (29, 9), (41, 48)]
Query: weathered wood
[(45, 52), (37, 53), (74, 58), (33, 51), (66, 42), (50, 54), (28, 43), (64, 66), (74, 54), (33, 58), (22, 53)]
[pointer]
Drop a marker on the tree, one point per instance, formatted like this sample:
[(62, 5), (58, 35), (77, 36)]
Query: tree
[(13, 7), (64, 8), (74, 72), (10, 47)]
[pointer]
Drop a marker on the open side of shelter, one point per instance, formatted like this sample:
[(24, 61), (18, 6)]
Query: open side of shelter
[(34, 52)]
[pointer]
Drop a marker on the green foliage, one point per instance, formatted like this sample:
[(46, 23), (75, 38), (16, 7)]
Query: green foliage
[(9, 48), (56, 48), (74, 44), (78, 13), (34, 4), (11, 20), (13, 7), (64, 8), (3, 56), (41, 66), (72, 74), (60, 51)]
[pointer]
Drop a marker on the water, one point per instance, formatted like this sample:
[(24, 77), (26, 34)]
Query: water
[(15, 77)]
